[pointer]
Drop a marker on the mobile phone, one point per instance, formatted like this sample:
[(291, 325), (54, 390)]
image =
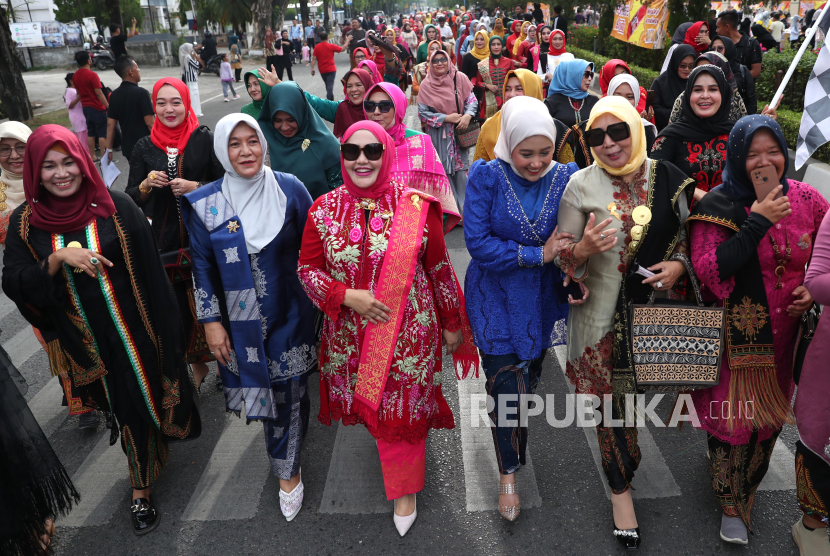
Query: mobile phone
[(765, 179), (649, 99), (562, 291)]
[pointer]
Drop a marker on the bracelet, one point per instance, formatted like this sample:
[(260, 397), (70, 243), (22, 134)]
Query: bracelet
[(144, 188)]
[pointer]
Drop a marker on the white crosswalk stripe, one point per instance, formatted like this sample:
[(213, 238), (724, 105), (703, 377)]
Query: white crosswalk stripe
[(46, 406), (22, 346), (232, 482)]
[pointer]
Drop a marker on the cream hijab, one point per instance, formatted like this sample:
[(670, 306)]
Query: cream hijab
[(515, 115), (14, 182), (622, 110), (259, 201)]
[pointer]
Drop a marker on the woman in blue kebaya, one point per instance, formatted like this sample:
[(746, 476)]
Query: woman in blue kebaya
[(245, 232), (510, 216)]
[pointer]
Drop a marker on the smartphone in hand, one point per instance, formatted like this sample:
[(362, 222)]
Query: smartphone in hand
[(764, 179)]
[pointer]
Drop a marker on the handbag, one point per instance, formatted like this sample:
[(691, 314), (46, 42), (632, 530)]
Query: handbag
[(467, 137), (809, 323), (677, 346)]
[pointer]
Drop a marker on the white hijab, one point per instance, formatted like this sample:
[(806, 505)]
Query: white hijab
[(635, 86), (259, 201), (515, 115), (14, 182), (667, 61)]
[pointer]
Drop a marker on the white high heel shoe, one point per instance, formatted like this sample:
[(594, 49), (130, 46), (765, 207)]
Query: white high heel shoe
[(404, 522), (291, 502)]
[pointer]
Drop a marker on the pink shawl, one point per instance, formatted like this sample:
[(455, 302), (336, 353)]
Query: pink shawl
[(416, 163), (439, 92), (372, 67)]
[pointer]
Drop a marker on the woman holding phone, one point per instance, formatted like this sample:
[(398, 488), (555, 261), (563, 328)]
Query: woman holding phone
[(751, 239)]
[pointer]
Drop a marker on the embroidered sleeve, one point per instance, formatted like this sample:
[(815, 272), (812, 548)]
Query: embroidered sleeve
[(440, 271), (206, 280), (325, 292), (662, 149), (334, 177), (429, 116), (492, 253), (706, 237), (571, 219)]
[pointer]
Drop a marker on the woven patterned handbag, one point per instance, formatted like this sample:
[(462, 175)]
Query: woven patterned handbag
[(677, 346)]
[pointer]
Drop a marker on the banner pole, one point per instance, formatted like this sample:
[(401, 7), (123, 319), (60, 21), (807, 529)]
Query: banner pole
[(807, 38)]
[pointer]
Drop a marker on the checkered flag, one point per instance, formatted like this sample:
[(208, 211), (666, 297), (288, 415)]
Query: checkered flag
[(815, 120)]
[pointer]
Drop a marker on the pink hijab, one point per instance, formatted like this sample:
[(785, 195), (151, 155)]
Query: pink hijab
[(384, 176), (416, 164), (373, 68), (439, 92)]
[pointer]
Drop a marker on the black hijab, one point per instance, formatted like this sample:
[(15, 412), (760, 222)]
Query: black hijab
[(745, 25), (763, 36), (717, 59), (544, 48), (731, 53), (691, 127), (669, 81), (736, 182), (680, 35)]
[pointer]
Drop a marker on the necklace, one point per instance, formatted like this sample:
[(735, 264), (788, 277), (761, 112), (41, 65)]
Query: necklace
[(575, 108), (780, 259)]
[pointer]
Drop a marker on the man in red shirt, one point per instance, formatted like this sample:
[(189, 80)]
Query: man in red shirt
[(93, 101), (324, 55)]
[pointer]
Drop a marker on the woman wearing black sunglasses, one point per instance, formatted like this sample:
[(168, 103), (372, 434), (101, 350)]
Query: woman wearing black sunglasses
[(384, 373), (623, 210)]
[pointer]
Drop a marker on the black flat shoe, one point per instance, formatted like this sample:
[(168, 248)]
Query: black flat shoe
[(629, 538), (145, 516)]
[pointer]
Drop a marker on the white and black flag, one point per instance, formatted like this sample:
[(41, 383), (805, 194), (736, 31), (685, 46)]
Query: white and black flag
[(815, 120)]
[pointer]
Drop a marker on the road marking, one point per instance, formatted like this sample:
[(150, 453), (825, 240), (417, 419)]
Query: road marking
[(211, 98), (102, 482), (653, 478), (781, 473), (354, 484), (46, 406), (232, 482), (6, 305), (481, 470), (22, 346)]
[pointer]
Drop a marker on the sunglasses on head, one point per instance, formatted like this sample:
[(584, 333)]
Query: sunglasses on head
[(373, 151), (617, 132), (384, 105)]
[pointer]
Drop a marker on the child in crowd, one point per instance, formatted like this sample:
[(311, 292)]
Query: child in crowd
[(76, 111), (226, 75), (306, 53)]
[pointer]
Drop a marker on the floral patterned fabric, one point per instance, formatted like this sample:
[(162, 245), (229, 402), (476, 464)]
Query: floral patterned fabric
[(799, 229), (344, 247), (703, 162)]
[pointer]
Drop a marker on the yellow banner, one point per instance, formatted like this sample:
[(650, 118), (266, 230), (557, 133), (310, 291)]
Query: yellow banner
[(642, 23)]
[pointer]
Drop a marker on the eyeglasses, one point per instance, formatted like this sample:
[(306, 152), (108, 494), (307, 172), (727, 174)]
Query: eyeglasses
[(373, 151), (687, 66), (6, 152), (720, 49), (617, 132), (588, 75), (436, 61), (385, 106)]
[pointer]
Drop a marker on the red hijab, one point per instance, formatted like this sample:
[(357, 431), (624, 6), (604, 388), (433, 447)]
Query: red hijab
[(174, 137), (556, 51), (382, 182), (61, 215), (607, 74), (692, 33), (347, 112)]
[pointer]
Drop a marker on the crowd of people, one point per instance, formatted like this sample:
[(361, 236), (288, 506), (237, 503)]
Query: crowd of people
[(332, 258)]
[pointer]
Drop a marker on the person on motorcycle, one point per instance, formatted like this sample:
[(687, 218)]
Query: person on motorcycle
[(208, 49)]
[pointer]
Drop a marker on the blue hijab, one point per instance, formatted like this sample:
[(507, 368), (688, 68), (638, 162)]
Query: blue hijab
[(736, 182), (567, 79)]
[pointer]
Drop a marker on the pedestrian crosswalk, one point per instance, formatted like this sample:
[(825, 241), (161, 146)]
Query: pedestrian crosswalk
[(231, 482)]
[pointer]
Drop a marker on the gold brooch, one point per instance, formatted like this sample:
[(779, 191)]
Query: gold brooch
[(75, 245), (641, 215), (416, 200), (612, 208), (637, 232), (233, 226), (306, 144)]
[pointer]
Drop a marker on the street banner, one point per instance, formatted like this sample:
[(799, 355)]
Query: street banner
[(642, 23), (26, 35)]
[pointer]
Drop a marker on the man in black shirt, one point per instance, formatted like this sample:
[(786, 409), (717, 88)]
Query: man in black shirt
[(558, 21), (130, 106), (208, 49), (118, 40), (352, 36), (749, 51)]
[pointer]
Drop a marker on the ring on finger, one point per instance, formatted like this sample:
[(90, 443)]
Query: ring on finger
[(93, 261), (659, 285), (601, 236)]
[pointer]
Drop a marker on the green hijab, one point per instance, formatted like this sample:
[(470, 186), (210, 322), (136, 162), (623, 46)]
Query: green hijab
[(253, 109), (322, 149), (422, 48)]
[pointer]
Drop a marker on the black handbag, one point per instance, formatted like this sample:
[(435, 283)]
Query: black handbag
[(809, 323), (467, 137)]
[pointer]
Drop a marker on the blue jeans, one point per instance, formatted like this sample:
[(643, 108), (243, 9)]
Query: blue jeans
[(328, 79)]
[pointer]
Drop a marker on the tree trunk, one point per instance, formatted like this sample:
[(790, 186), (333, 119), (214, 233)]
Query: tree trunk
[(261, 15), (114, 12), (304, 15), (326, 15), (282, 5), (13, 94)]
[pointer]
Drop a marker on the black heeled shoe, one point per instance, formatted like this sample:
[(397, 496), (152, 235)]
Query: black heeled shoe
[(629, 538), (145, 516)]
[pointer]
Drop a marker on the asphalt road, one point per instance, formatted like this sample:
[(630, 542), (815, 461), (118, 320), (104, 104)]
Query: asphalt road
[(218, 497)]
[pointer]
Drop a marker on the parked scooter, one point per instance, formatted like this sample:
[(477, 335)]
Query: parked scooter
[(101, 57)]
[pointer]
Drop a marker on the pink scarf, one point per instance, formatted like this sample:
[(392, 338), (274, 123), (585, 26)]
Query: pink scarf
[(439, 92)]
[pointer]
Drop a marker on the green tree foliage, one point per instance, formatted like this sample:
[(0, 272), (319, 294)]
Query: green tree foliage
[(226, 12), (68, 11)]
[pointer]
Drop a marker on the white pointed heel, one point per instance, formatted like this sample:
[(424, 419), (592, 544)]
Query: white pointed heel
[(404, 522), (291, 502)]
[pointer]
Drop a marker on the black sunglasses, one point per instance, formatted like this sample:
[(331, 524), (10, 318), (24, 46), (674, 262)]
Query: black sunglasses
[(617, 132), (373, 151), (588, 75), (385, 106), (441, 60)]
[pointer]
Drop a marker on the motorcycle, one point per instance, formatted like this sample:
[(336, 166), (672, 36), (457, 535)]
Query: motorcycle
[(213, 63), (101, 58)]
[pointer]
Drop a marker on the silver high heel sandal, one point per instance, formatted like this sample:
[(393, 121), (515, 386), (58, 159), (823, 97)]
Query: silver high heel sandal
[(510, 513)]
